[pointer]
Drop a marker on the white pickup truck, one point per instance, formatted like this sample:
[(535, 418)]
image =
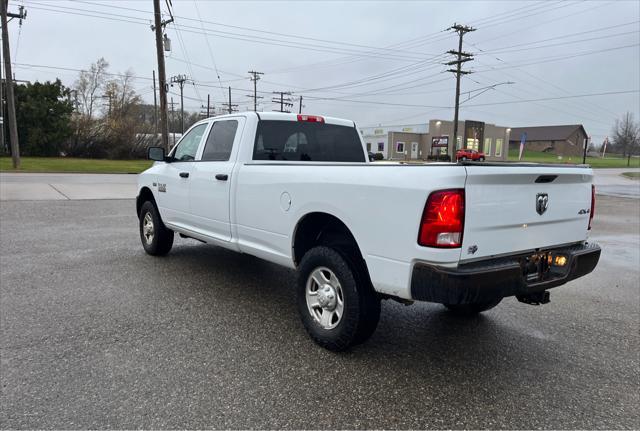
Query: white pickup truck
[(299, 191)]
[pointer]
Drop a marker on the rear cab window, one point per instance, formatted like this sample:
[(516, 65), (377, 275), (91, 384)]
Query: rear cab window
[(307, 142)]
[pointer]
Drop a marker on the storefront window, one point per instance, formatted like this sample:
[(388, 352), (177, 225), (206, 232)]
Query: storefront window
[(498, 147), (381, 146), (487, 146), (400, 147)]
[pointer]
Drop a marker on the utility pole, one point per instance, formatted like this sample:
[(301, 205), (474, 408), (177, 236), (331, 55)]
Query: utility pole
[(461, 57), (173, 117), (158, 27), (180, 80), (288, 102), (255, 77), (107, 96), (155, 105), (229, 107), (2, 116), (300, 106), (11, 103), (207, 110)]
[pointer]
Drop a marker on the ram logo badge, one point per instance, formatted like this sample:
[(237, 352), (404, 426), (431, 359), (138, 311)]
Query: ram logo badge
[(542, 203)]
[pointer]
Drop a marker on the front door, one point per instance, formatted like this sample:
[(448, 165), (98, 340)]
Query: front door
[(212, 180), (174, 178), (414, 150)]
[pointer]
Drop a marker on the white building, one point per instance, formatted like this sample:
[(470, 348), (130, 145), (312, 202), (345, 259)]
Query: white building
[(377, 138)]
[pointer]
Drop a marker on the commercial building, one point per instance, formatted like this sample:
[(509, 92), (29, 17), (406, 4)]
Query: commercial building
[(419, 141), (378, 139)]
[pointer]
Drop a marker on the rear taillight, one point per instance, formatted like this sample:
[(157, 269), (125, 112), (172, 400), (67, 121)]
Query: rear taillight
[(593, 204), (443, 219), (310, 118)]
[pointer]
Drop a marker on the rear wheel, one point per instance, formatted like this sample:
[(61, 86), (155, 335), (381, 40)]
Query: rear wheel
[(337, 304), (156, 239), (463, 158), (481, 159), (472, 309)]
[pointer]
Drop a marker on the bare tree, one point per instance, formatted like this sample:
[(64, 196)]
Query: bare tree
[(123, 98), (626, 135), (89, 85)]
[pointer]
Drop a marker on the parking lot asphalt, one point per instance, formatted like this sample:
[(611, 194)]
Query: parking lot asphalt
[(96, 334)]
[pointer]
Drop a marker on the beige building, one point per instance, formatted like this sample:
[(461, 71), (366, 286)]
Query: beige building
[(423, 142)]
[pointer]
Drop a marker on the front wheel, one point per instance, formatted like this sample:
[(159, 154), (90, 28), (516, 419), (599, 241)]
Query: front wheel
[(481, 159), (336, 302), (156, 239), (472, 309)]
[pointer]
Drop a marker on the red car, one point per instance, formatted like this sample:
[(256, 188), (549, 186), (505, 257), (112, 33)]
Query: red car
[(467, 154)]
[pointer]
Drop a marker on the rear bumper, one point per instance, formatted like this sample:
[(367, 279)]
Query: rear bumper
[(501, 277)]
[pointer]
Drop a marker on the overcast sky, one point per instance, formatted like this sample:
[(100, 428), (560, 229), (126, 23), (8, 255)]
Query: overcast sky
[(374, 62)]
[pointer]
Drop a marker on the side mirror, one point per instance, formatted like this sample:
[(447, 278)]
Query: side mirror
[(156, 153)]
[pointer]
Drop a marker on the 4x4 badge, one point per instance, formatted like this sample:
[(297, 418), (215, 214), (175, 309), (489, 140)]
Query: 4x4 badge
[(542, 203)]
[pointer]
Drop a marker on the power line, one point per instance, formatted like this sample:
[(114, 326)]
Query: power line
[(563, 36), (521, 30), (288, 35), (575, 96), (226, 34), (206, 38), (542, 60)]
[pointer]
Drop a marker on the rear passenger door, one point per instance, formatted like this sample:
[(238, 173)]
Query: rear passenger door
[(212, 179)]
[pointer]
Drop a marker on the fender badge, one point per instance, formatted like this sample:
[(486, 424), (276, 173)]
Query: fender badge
[(472, 249)]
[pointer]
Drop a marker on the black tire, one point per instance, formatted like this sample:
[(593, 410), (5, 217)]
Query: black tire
[(162, 237), (472, 309), (463, 158), (481, 159), (361, 310)]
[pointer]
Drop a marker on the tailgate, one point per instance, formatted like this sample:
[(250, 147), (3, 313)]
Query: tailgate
[(521, 208)]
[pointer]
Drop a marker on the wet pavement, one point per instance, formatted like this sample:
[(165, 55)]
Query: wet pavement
[(96, 334)]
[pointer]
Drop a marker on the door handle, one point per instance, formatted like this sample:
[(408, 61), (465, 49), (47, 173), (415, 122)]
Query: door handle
[(222, 177), (184, 174)]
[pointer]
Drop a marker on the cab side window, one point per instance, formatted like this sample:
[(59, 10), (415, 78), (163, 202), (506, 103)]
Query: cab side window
[(188, 146), (220, 141)]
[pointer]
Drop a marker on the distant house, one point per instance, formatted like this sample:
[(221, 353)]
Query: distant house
[(561, 140)]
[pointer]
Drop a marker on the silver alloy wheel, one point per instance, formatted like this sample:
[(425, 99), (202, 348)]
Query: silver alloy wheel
[(147, 228), (325, 298)]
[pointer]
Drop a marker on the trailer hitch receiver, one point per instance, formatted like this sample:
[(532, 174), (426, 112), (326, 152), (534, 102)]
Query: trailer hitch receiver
[(537, 298)]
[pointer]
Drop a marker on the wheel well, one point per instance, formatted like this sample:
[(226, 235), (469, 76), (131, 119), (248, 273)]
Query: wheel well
[(145, 195), (323, 229)]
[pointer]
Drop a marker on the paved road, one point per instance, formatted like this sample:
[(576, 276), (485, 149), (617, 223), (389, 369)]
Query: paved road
[(95, 334), (610, 182)]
